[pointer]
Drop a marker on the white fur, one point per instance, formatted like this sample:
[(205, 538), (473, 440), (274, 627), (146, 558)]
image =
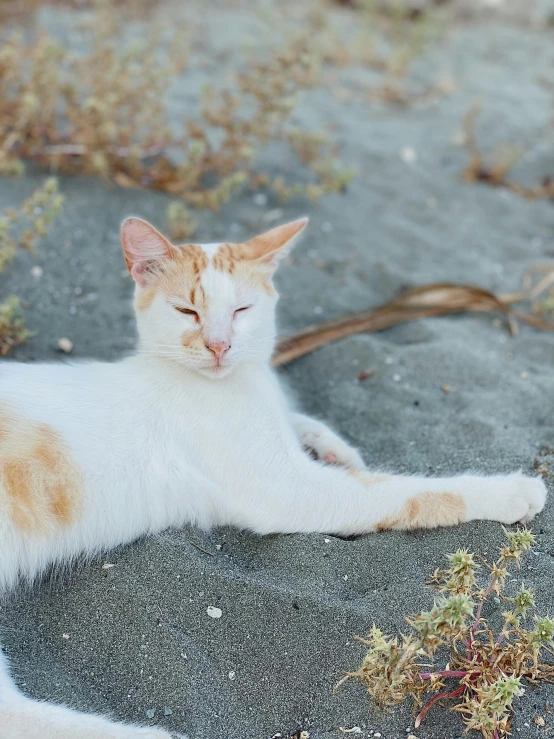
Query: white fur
[(162, 440)]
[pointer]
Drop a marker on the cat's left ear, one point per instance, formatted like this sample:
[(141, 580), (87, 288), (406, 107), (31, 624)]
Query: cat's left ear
[(272, 246)]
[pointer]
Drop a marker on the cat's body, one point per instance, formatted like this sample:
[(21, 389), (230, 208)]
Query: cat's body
[(194, 428)]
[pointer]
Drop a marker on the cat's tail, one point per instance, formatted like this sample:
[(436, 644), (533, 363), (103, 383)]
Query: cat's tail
[(23, 718)]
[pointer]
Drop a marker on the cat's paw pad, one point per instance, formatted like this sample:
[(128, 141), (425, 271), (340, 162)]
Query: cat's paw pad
[(523, 499), (331, 449)]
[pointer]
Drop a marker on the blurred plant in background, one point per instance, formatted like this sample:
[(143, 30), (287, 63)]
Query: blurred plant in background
[(102, 110)]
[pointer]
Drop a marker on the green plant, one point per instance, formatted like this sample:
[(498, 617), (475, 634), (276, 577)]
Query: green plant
[(180, 223), (485, 670), (22, 228)]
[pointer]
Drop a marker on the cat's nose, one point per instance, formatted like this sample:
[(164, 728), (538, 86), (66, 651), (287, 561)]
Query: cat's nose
[(218, 349)]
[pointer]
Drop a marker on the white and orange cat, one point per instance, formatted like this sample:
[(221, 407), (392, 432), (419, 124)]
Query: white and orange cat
[(194, 428)]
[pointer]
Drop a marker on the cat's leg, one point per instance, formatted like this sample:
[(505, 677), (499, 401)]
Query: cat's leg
[(23, 718), (305, 496), (327, 445)]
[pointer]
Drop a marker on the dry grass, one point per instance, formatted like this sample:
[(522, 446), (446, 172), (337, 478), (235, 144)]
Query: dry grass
[(101, 111), (494, 168), (485, 670), (386, 38)]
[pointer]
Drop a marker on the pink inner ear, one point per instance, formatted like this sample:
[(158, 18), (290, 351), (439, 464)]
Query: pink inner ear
[(143, 246), (275, 244), (140, 272)]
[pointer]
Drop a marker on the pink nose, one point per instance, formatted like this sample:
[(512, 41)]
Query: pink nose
[(218, 349)]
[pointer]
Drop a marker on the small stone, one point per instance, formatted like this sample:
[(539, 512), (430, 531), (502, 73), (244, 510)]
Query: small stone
[(377, 734), (232, 675), (107, 566), (366, 374), (459, 138), (37, 272), (318, 310), (65, 636), (214, 612), (65, 345), (167, 711), (524, 375), (408, 154), (396, 378), (273, 215), (412, 736), (151, 712), (260, 199), (446, 389), (539, 720)]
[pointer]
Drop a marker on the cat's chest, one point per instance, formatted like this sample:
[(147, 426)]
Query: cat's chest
[(230, 422)]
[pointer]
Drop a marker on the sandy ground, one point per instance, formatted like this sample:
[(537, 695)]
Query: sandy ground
[(141, 644)]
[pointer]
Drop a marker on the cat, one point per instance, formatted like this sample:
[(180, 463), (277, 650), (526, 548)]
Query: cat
[(193, 428)]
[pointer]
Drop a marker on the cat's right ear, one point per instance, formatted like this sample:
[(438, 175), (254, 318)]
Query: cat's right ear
[(144, 248)]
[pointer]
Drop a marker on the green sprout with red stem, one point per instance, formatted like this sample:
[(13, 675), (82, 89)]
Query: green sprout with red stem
[(484, 672)]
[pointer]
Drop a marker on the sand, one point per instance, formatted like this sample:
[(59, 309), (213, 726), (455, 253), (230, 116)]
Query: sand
[(139, 642)]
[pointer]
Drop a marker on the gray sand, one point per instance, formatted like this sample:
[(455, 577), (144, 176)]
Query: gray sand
[(139, 634)]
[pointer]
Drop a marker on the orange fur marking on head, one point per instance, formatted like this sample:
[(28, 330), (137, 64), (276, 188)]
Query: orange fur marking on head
[(427, 511), (235, 259), (181, 275), (145, 298), (226, 257), (39, 482)]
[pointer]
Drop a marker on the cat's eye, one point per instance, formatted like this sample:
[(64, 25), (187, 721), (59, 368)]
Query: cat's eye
[(186, 311), (241, 310)]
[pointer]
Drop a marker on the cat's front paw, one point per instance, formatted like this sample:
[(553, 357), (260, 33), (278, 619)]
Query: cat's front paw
[(331, 449), (516, 498), (529, 497)]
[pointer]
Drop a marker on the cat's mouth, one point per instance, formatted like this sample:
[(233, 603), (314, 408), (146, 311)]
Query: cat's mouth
[(217, 369)]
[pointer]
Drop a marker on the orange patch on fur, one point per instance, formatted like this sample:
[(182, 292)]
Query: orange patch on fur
[(367, 478), (427, 511), (39, 482), (145, 298), (189, 337)]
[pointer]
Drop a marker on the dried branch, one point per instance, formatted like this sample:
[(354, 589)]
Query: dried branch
[(438, 299)]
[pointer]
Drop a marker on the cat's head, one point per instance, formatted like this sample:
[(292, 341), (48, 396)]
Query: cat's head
[(207, 307)]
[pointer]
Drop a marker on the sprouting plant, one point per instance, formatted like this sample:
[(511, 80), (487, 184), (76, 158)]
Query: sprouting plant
[(12, 326), (485, 670), (180, 222), (21, 228)]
